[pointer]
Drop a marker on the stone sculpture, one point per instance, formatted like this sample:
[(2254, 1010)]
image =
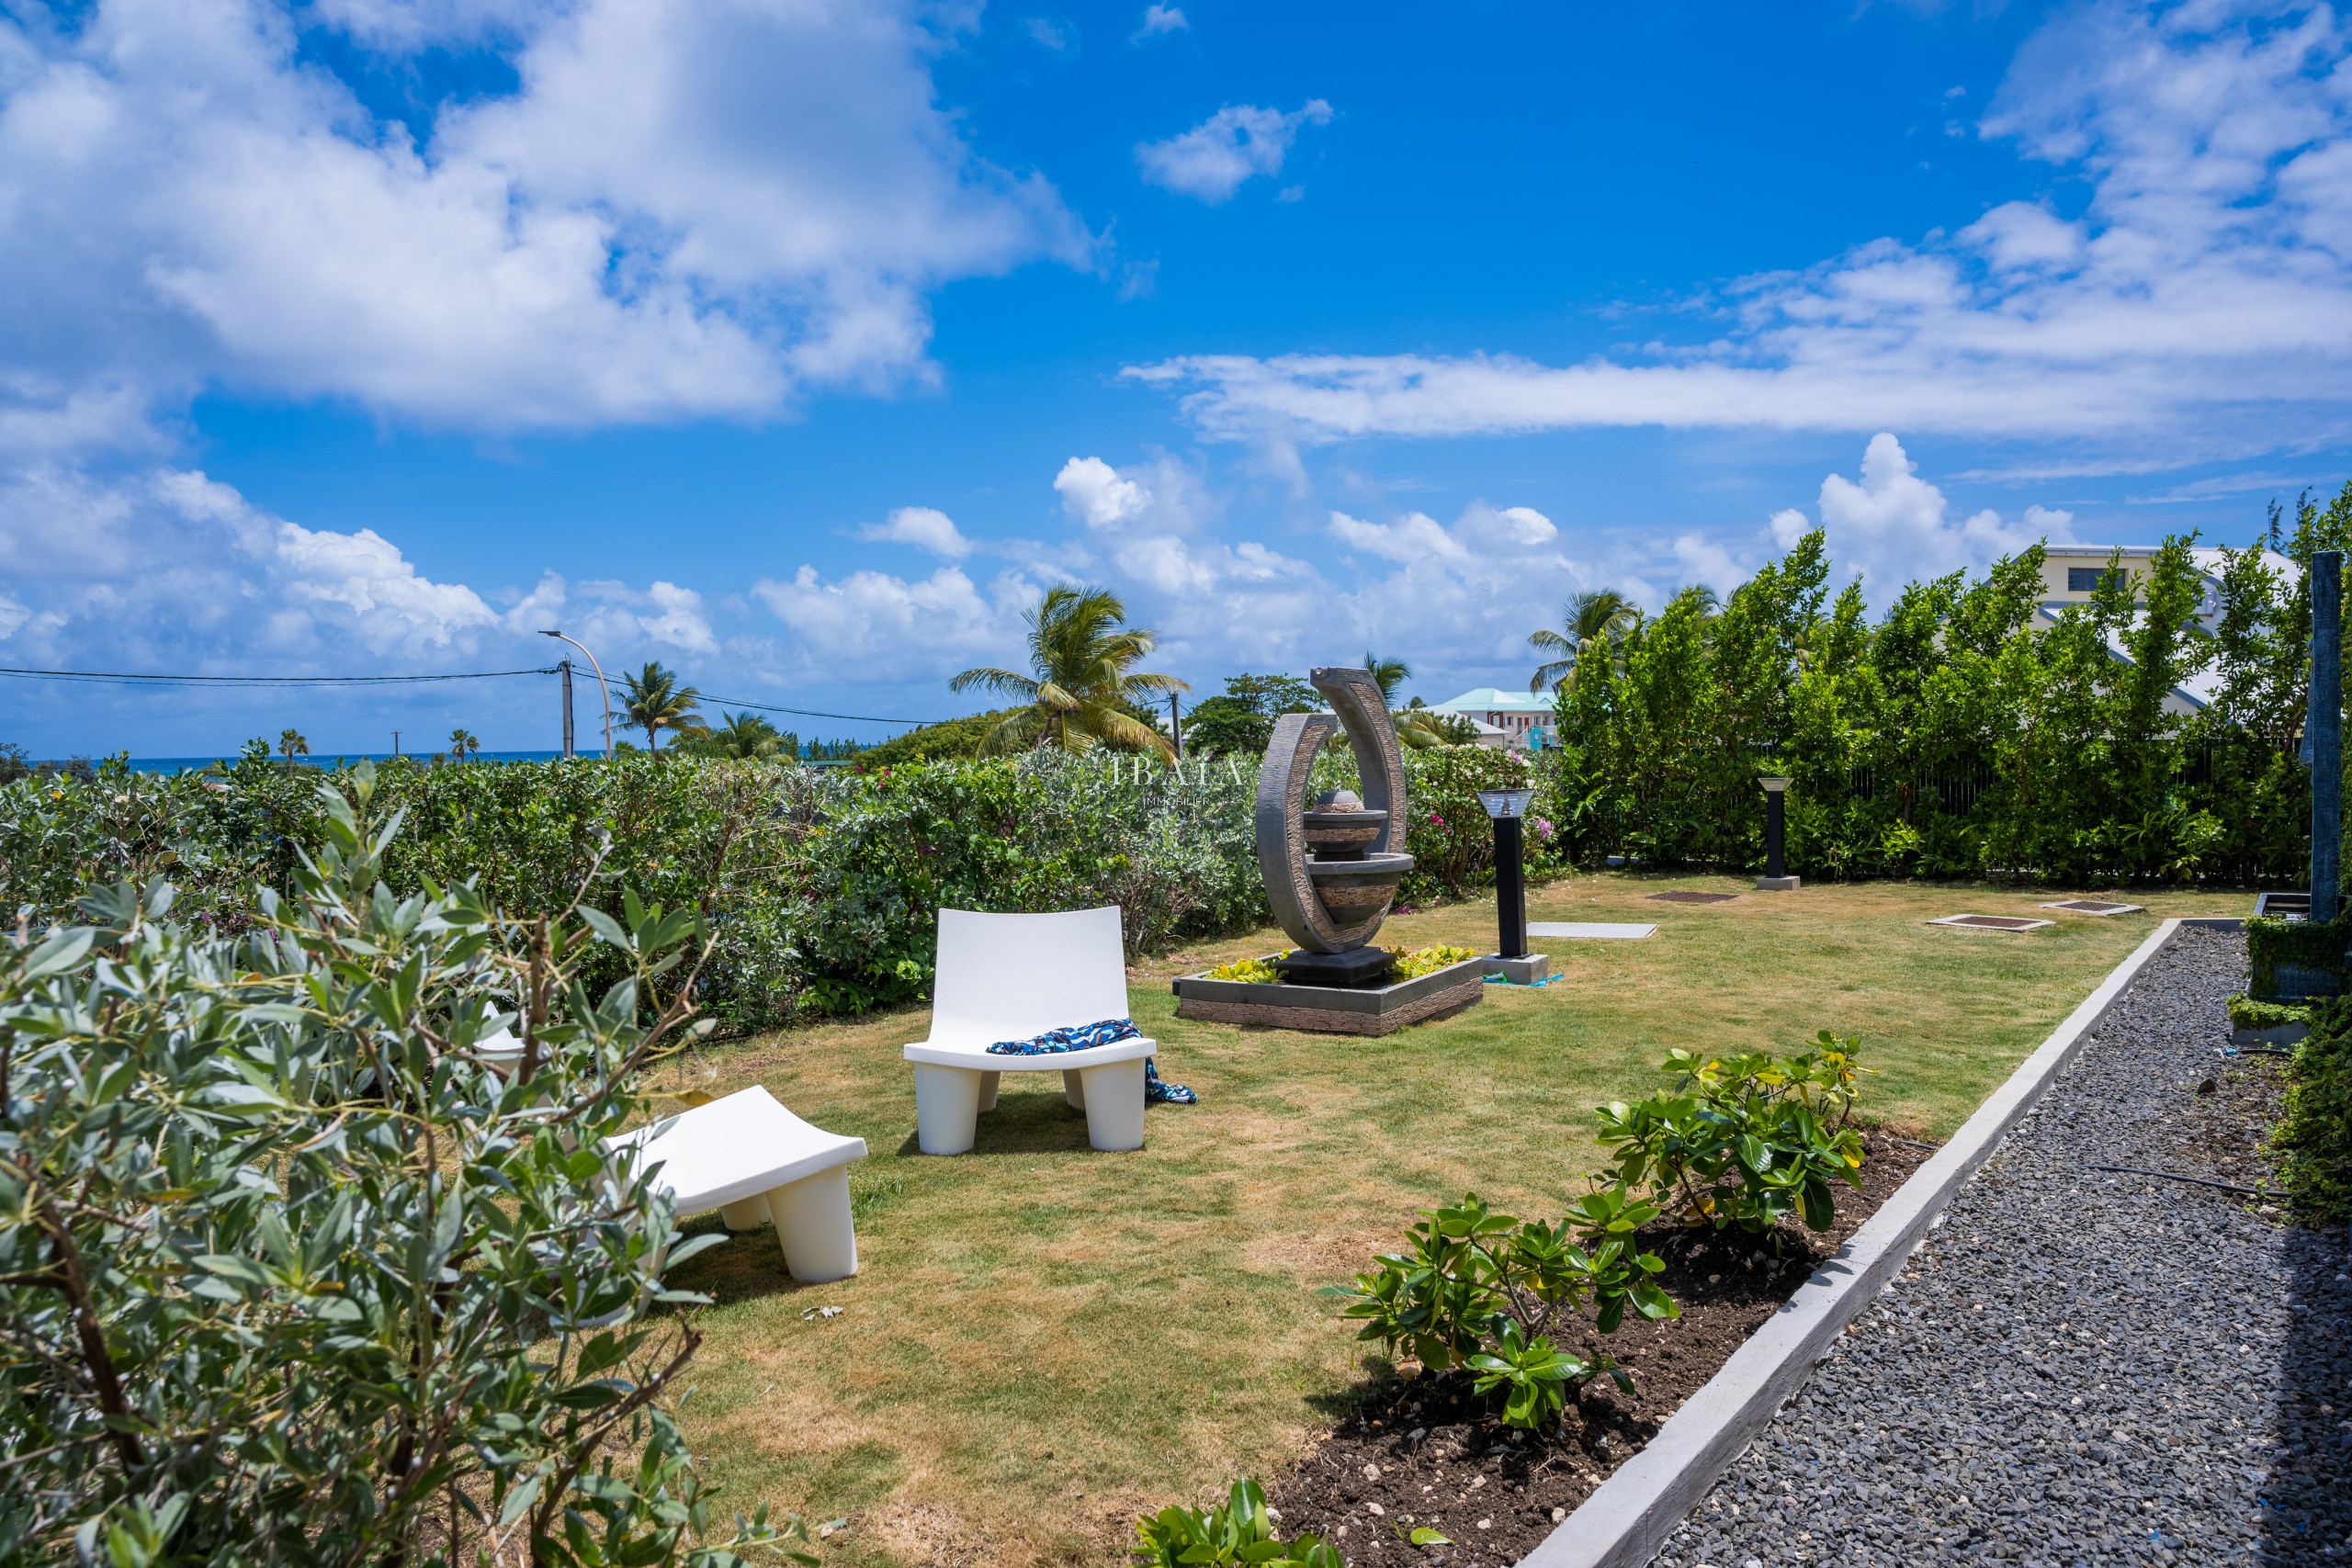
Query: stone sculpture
[(1331, 872)]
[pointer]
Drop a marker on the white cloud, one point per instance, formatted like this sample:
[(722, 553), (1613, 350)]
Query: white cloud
[(1894, 527), (684, 211), (1212, 160), (871, 626), (1059, 36), (2202, 307), (1157, 20), (1412, 538), (1705, 561), (1093, 492), (922, 526)]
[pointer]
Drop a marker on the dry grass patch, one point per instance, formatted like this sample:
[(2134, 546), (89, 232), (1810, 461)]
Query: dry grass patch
[(1044, 1340)]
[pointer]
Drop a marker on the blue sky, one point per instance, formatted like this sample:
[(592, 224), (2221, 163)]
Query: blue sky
[(802, 346)]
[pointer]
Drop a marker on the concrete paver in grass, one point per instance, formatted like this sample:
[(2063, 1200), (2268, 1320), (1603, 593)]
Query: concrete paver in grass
[(1584, 930)]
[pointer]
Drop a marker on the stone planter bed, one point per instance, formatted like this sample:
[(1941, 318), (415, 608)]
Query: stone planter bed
[(1416, 1431), (1333, 1010)]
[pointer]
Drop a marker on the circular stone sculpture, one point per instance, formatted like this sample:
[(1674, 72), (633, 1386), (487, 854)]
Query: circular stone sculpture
[(1333, 899)]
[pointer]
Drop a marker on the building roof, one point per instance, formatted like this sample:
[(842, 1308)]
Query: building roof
[(1494, 699)]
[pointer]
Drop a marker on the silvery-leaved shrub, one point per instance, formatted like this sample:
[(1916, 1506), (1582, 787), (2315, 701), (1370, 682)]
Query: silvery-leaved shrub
[(290, 1274)]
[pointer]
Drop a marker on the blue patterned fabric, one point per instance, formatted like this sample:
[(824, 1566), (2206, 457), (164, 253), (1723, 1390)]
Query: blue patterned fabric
[(1085, 1037), (1078, 1037)]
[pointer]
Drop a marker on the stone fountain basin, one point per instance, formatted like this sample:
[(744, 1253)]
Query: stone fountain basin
[(1336, 834), (1357, 890)]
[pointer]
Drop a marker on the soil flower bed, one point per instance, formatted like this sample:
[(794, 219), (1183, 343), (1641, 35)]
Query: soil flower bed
[(1416, 1450)]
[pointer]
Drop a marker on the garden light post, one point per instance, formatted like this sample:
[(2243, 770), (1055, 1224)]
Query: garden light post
[(1776, 877), (601, 686), (1513, 961)]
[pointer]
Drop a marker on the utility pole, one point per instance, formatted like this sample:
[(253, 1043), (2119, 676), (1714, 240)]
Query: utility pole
[(396, 742), (566, 668), (1176, 725)]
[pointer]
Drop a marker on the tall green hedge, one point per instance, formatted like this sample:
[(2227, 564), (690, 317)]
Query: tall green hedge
[(1958, 734)]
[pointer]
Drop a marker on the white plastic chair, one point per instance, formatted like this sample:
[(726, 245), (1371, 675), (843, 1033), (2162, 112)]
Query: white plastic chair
[(757, 1163), (1015, 977)]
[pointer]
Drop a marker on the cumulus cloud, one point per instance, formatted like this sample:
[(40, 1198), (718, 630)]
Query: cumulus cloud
[(871, 626), (1892, 527), (1093, 492), (682, 211), (2201, 309), (925, 528), (1236, 143)]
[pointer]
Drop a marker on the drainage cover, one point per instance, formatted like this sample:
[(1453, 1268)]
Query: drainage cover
[(1681, 898), (1991, 922), (2098, 907)]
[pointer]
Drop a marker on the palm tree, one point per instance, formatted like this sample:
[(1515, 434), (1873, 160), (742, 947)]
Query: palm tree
[(1390, 674), (291, 743), (1603, 613), (1082, 653), (463, 744), (746, 737), (656, 702)]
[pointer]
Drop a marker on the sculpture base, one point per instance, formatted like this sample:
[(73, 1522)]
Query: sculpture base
[(1779, 883), (1333, 1010), (1361, 967), (1525, 971)]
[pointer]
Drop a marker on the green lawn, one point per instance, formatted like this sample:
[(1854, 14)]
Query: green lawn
[(1044, 1340)]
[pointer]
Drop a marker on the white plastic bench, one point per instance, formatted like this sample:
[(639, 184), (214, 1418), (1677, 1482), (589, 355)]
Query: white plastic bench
[(757, 1163), (1015, 977)]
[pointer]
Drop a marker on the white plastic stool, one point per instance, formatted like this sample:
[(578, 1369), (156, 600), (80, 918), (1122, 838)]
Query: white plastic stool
[(758, 1164)]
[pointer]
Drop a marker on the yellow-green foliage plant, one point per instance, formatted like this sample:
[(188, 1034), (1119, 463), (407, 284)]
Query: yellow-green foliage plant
[(1428, 961), (1251, 971)]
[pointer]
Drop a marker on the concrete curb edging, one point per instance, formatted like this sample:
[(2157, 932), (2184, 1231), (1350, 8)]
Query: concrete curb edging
[(1624, 1523)]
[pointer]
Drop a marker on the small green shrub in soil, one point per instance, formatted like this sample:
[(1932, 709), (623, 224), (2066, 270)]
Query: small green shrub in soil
[(2314, 1131), (1744, 1140), (1490, 1292), (1239, 1530)]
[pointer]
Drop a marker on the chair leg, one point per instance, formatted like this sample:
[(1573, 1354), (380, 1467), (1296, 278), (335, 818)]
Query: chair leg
[(812, 1222), (1114, 1105), (948, 1108), (749, 1214), (1074, 1088), (988, 1090)]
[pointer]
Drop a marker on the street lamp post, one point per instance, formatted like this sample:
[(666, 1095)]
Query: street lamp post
[(1776, 878), (601, 686), (1508, 808)]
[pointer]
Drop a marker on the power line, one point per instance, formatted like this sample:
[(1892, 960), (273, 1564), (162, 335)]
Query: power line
[(119, 678), (259, 680), (812, 713)]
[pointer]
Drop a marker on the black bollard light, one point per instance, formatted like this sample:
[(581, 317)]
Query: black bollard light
[(1776, 877), (1513, 961)]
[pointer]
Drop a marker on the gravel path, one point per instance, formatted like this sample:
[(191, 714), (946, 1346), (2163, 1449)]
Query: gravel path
[(2079, 1367)]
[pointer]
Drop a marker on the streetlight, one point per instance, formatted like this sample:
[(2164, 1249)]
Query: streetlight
[(1776, 834), (600, 685), (1513, 962)]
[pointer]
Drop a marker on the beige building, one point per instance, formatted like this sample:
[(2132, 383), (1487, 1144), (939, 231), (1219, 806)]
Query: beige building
[(2070, 573)]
